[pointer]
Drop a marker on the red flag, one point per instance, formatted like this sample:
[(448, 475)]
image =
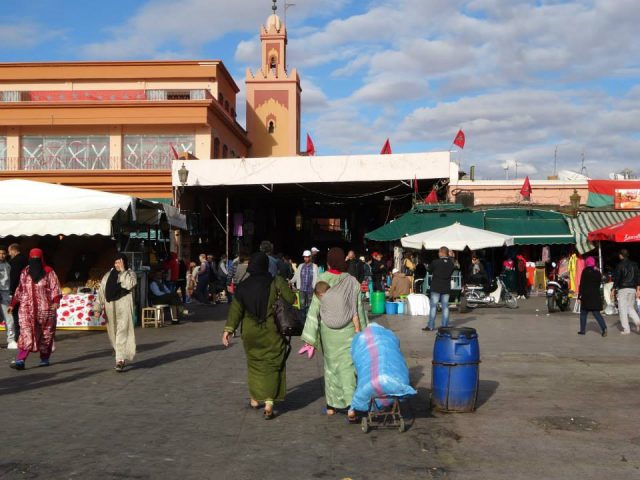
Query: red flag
[(431, 198), (311, 150), (459, 140), (174, 151), (386, 148), (526, 189)]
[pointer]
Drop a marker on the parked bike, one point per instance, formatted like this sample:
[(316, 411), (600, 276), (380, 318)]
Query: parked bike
[(558, 294), (495, 294)]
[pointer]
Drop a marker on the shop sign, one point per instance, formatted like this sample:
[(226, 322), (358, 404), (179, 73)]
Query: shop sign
[(626, 199)]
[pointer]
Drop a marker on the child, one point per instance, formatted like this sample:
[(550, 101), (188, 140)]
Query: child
[(321, 288)]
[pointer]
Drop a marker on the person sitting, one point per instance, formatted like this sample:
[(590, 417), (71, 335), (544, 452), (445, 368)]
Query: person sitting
[(400, 285), (160, 294)]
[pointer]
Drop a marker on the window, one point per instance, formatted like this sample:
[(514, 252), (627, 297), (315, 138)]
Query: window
[(178, 95), (225, 152), (65, 152), (272, 126), (154, 152), (233, 112), (226, 105), (329, 224), (233, 154), (3, 153), (216, 148), (220, 98)]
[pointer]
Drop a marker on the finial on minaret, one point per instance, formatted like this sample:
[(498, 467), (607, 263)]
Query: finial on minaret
[(274, 7)]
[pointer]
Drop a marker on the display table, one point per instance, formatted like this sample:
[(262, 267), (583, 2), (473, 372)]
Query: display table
[(76, 312)]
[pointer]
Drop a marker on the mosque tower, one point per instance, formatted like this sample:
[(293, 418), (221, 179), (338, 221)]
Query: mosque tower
[(273, 96)]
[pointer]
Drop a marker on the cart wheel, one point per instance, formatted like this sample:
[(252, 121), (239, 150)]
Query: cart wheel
[(365, 425), (401, 425)]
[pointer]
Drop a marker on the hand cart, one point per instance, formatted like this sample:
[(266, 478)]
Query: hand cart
[(388, 415)]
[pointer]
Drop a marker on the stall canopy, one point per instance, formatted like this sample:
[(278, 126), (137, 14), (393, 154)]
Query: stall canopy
[(622, 232), (456, 237), (587, 222), (39, 208), (529, 226), (423, 218)]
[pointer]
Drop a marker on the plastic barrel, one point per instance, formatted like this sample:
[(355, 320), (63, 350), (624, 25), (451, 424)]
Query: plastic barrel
[(391, 308), (455, 370), (377, 303), (400, 307)]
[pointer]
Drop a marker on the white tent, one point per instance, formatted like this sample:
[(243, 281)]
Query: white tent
[(38, 208), (456, 237)]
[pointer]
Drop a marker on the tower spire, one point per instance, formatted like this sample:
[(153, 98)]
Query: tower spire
[(274, 7)]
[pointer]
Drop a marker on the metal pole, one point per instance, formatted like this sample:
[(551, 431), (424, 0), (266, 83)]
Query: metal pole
[(226, 234), (600, 255)]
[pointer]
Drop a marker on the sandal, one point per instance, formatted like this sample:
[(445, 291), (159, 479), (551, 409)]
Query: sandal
[(268, 414), (352, 416), (255, 405), (119, 367)]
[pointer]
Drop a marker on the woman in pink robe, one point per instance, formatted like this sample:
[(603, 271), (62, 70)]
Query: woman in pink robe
[(38, 295)]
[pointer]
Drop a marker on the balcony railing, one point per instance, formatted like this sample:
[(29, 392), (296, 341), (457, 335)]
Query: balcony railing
[(57, 96)]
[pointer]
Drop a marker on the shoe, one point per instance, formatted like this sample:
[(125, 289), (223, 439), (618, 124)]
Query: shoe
[(12, 346), (427, 329), (44, 363), (17, 364), (580, 333), (604, 332), (625, 333), (352, 417), (119, 367)]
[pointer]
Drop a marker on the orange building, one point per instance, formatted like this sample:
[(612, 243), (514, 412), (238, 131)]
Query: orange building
[(115, 126)]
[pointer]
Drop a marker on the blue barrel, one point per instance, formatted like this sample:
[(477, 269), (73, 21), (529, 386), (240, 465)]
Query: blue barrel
[(391, 308), (455, 370)]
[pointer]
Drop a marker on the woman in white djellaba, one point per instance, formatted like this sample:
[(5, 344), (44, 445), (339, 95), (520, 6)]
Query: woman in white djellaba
[(115, 297)]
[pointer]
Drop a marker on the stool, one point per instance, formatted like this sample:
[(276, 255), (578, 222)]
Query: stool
[(153, 316)]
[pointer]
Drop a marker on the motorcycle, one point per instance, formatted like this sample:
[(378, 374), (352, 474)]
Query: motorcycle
[(495, 295), (558, 294)]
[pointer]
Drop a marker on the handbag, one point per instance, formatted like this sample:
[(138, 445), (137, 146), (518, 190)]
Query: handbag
[(287, 318)]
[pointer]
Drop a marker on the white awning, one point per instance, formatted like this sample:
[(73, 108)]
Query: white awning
[(329, 169), (38, 208), (456, 237)]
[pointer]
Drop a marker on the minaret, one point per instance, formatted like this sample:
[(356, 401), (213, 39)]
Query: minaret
[(273, 96)]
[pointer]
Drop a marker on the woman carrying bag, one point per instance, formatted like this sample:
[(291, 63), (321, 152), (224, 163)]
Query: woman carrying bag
[(589, 296)]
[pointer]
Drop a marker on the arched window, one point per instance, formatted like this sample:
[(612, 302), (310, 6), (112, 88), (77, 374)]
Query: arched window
[(226, 105), (225, 152), (272, 126), (220, 98), (233, 154), (216, 148), (273, 65)]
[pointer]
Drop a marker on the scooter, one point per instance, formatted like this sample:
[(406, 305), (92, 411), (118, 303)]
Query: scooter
[(558, 294), (497, 295)]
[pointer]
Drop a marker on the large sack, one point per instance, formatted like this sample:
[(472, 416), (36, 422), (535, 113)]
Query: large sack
[(380, 367)]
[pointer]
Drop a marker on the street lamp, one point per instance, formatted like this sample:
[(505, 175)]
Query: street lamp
[(575, 201)]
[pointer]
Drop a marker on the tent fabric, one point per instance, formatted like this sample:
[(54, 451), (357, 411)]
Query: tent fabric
[(39, 208), (530, 226), (456, 237), (423, 218), (601, 192), (622, 232), (587, 222)]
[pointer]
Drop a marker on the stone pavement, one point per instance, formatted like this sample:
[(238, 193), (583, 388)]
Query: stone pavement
[(552, 405)]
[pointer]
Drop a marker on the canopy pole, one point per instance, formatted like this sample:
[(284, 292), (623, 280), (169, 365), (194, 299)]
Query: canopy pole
[(600, 254)]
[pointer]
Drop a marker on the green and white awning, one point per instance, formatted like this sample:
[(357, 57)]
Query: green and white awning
[(589, 221)]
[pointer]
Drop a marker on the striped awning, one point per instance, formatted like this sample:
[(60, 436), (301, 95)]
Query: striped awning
[(589, 221)]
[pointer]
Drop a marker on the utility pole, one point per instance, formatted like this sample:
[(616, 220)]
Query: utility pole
[(555, 161)]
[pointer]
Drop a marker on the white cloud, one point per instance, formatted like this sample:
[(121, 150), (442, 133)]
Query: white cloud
[(23, 35)]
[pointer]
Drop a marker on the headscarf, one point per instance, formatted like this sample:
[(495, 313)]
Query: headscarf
[(590, 262), (336, 259), (113, 290), (37, 268), (253, 293)]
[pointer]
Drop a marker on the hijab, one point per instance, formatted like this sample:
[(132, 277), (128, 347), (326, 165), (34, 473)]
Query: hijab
[(113, 290), (253, 293), (336, 259), (590, 262), (37, 268)]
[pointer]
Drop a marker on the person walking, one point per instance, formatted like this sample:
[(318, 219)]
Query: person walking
[(305, 280), (5, 298), (202, 280), (521, 277), (441, 272), (115, 298), (38, 296), (18, 263), (625, 283), (589, 296), (339, 372), (251, 309)]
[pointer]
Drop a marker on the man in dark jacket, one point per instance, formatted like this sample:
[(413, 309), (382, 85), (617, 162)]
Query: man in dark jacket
[(355, 266), (625, 283), (18, 262), (378, 272), (441, 271)]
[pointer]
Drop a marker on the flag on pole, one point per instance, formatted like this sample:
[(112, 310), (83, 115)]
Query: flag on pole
[(526, 189), (311, 149), (459, 140), (386, 148), (174, 151), (432, 197)]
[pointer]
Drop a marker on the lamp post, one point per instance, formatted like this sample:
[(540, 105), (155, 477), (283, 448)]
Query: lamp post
[(575, 202), (183, 176)]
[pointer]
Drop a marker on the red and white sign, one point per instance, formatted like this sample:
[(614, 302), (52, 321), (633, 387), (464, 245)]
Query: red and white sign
[(626, 199)]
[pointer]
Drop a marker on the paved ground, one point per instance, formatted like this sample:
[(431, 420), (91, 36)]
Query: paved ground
[(553, 405)]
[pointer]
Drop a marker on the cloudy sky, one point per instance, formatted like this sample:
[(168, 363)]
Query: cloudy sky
[(523, 79)]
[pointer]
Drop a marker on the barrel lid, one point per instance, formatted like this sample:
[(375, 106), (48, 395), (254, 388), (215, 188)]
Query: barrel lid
[(457, 332)]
